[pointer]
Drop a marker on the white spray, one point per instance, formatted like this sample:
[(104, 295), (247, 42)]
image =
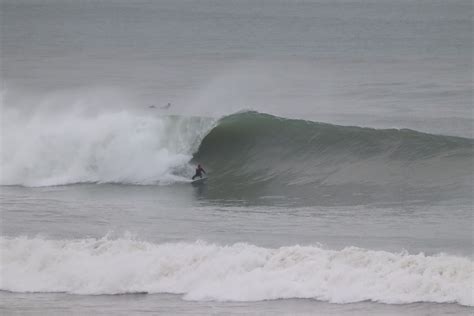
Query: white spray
[(59, 141)]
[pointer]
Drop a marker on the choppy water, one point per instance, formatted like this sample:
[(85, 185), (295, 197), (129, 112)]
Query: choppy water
[(337, 136)]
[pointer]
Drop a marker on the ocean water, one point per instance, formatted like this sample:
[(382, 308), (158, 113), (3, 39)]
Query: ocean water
[(337, 137)]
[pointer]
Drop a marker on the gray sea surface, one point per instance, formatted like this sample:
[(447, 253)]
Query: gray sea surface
[(368, 63), (97, 215)]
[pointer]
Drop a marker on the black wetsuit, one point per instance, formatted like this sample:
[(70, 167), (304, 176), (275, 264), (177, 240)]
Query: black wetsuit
[(199, 172)]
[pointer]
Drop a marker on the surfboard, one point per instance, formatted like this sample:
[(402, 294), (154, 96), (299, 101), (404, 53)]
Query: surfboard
[(199, 180)]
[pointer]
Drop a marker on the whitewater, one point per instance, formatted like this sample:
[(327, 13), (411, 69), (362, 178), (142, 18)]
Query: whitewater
[(118, 152), (204, 271), (323, 212), (77, 146)]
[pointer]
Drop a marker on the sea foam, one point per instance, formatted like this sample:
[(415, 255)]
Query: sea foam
[(51, 147), (237, 272)]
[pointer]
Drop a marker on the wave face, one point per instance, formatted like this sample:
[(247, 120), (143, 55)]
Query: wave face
[(238, 272), (49, 148), (254, 153)]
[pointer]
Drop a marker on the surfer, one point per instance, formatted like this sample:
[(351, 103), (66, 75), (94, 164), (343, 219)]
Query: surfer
[(199, 171)]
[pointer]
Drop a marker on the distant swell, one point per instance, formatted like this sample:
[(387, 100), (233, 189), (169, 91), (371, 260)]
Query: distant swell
[(238, 272)]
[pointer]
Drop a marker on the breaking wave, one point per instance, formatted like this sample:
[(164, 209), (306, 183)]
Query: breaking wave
[(111, 147), (247, 154), (238, 272)]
